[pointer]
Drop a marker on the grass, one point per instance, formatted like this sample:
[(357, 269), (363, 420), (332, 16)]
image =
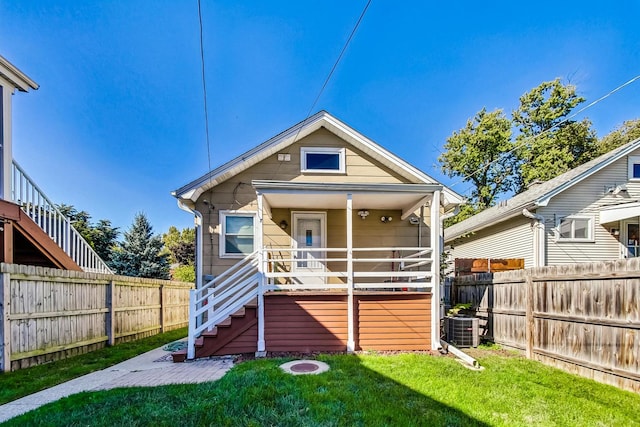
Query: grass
[(364, 390), (14, 385)]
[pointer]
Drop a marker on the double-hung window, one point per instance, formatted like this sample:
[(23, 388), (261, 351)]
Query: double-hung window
[(322, 160), (575, 229), (237, 236)]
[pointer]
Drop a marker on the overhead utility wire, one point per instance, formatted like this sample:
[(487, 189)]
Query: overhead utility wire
[(204, 89), (326, 81), (531, 138), (353, 32)]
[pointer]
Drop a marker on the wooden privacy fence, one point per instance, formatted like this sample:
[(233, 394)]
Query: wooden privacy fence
[(48, 314), (583, 318)]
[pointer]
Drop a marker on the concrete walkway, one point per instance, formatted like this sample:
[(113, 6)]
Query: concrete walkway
[(150, 369)]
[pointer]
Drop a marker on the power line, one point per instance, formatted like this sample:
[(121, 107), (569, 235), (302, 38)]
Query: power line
[(204, 88), (544, 132), (335, 65)]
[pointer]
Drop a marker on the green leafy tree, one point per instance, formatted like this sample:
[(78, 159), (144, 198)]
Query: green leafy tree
[(480, 153), (140, 253), (629, 131), (548, 143), (101, 236), (181, 247)]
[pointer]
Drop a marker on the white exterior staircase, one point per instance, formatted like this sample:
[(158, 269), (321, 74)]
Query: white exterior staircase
[(32, 200)]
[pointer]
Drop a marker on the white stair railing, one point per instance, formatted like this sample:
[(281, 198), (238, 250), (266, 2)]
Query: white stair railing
[(220, 298), (32, 200)]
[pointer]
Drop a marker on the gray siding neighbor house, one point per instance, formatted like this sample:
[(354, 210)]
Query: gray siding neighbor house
[(590, 213)]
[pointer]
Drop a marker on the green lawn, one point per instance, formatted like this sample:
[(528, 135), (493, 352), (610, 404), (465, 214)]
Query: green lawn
[(364, 390), (14, 385)]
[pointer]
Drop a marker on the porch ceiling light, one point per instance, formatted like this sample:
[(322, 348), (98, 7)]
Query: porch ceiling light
[(284, 224), (386, 219), (363, 213)]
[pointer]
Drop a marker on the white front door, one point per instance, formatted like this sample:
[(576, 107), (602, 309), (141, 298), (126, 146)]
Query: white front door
[(309, 231)]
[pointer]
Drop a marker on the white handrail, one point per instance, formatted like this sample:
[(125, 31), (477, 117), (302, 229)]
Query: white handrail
[(243, 282), (33, 201)]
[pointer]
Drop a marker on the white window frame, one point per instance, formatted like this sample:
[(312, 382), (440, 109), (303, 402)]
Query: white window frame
[(590, 229), (633, 160), (340, 151), (222, 247)]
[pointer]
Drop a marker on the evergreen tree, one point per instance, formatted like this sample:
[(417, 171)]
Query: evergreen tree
[(140, 253)]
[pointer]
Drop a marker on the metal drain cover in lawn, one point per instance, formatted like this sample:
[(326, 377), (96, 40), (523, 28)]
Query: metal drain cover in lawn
[(304, 367)]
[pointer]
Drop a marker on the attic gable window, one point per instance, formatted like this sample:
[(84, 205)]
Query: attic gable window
[(634, 168), (575, 229), (322, 159)]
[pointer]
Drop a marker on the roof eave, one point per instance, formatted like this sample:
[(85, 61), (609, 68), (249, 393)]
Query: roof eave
[(16, 77)]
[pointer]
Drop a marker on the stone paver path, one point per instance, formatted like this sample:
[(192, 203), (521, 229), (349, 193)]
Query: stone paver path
[(147, 370)]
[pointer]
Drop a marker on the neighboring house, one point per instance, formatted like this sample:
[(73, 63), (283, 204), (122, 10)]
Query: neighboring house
[(324, 215), (590, 213), (33, 231)]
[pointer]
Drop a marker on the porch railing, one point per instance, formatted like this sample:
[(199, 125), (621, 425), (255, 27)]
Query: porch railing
[(326, 268), (32, 200), (271, 269)]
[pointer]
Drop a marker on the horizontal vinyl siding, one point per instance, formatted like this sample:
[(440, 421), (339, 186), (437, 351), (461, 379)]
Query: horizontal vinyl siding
[(511, 239), (305, 323), (237, 193), (401, 322), (585, 199)]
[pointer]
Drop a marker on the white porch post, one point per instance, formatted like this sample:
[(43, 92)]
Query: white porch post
[(351, 343), (261, 278), (6, 157), (435, 232)]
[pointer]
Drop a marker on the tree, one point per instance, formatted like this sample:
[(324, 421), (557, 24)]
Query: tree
[(103, 239), (629, 131), (548, 143), (140, 253), (181, 247), (480, 153), (101, 236)]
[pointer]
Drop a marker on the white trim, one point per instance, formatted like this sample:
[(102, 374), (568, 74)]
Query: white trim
[(194, 189), (340, 151), (222, 247), (323, 231), (590, 228), (633, 160)]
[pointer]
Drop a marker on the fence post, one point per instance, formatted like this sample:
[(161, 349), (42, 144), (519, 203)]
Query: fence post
[(5, 322), (163, 301), (111, 313), (530, 323)]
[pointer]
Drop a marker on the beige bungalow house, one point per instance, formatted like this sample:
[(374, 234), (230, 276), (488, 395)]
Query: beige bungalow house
[(318, 239), (590, 213)]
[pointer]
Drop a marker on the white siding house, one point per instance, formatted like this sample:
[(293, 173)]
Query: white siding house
[(591, 213)]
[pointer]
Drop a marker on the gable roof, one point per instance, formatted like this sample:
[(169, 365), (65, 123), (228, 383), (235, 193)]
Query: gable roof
[(322, 119), (16, 77), (539, 195)]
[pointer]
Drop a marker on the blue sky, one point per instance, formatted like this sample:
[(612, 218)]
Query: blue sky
[(118, 121)]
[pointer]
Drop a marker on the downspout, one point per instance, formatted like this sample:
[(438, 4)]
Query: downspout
[(198, 225), (191, 339), (538, 238)]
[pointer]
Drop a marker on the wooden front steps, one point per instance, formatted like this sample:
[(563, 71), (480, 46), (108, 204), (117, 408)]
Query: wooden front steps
[(236, 334)]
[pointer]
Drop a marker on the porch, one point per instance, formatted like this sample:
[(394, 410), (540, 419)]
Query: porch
[(347, 306), (294, 260)]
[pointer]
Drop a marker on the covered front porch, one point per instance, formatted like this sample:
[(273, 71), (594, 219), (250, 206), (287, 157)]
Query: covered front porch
[(316, 239)]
